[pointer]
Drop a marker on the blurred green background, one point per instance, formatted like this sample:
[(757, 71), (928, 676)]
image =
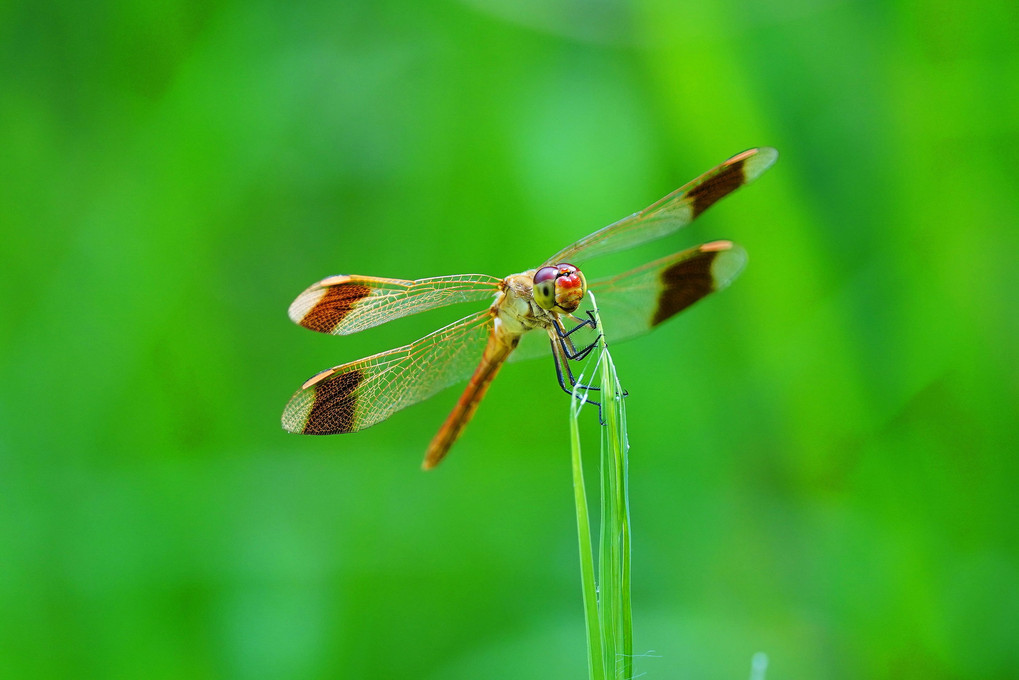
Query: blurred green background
[(823, 461)]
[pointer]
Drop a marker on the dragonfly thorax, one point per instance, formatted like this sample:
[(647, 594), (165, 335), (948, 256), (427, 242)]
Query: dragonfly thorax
[(516, 309)]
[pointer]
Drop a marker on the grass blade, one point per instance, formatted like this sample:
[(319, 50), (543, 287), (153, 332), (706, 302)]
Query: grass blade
[(610, 622), (589, 587)]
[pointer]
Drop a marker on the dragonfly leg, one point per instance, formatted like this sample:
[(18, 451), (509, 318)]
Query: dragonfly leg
[(568, 377), (570, 353), (578, 355), (567, 344), (575, 354), (580, 324)]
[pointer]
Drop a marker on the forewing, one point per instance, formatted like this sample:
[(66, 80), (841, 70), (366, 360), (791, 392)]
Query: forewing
[(341, 305), (359, 394), (674, 211)]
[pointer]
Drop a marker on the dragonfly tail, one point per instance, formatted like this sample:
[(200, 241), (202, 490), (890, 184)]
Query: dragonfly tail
[(496, 353)]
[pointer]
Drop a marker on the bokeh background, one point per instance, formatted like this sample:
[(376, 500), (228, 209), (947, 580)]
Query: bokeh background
[(823, 462)]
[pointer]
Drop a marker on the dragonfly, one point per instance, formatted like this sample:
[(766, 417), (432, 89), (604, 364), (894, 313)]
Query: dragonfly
[(525, 315)]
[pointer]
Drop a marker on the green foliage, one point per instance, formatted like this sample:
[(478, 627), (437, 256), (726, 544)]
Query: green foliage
[(607, 601), (823, 455)]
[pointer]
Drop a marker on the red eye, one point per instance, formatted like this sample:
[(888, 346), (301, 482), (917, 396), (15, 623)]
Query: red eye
[(546, 274)]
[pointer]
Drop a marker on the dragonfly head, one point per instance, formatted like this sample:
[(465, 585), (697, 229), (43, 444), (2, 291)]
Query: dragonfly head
[(560, 287)]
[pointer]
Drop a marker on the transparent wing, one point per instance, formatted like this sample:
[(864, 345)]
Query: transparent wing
[(535, 344), (341, 305), (636, 301), (674, 211), (632, 303), (362, 393)]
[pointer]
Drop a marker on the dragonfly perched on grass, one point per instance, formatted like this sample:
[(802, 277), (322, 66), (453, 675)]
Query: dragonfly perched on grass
[(523, 307)]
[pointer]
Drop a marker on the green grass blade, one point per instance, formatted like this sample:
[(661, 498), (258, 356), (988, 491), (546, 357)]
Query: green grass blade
[(589, 588), (614, 620), (615, 446)]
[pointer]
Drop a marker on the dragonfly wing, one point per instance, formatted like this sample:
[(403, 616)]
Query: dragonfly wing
[(674, 211), (360, 394), (341, 305), (632, 303), (531, 346)]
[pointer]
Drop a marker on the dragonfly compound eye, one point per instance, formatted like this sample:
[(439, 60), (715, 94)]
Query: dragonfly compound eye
[(544, 287), (570, 287)]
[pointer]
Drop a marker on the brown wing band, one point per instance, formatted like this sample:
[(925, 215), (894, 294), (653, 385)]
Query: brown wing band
[(335, 304), (334, 408), (730, 178), (683, 284)]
